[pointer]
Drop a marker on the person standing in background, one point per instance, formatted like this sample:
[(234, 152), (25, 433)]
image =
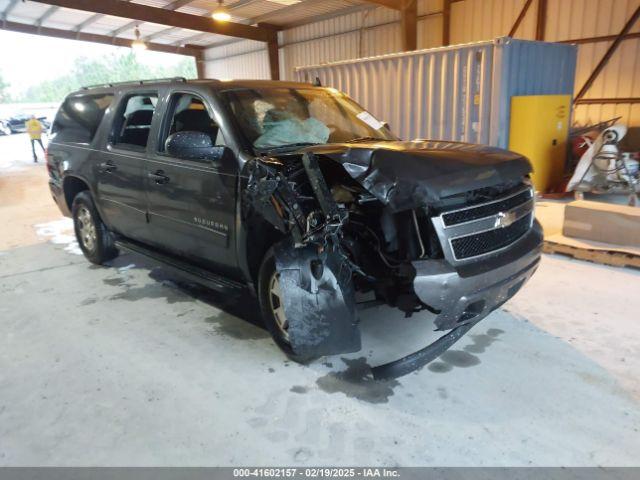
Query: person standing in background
[(35, 129)]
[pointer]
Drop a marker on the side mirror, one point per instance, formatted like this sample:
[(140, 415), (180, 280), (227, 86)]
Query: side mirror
[(190, 145)]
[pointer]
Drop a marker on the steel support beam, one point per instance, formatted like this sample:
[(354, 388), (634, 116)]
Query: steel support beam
[(143, 13), (604, 38), (50, 11), (446, 22), (200, 65), (393, 4), (92, 19), (193, 38), (607, 101), (159, 33), (170, 6), (273, 51), (90, 37), (8, 9), (541, 20), (409, 25), (523, 13), (608, 54)]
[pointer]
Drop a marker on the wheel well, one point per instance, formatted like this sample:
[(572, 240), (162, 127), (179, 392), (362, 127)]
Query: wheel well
[(260, 239), (72, 186)]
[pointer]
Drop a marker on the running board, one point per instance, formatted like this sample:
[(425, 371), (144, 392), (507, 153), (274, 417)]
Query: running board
[(192, 272)]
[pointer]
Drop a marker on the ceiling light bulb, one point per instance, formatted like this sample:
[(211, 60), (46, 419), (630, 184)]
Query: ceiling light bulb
[(220, 13), (138, 43)]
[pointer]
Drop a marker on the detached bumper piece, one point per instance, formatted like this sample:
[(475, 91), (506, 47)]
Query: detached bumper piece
[(420, 358), (463, 302)]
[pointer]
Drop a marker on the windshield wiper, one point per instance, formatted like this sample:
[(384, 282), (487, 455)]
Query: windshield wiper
[(288, 146), (365, 139)]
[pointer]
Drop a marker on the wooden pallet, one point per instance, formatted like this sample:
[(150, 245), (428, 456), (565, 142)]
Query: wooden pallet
[(616, 258)]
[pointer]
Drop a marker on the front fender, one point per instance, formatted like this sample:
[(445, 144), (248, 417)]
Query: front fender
[(319, 300)]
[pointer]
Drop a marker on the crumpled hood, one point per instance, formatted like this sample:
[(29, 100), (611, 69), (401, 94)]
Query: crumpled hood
[(405, 175)]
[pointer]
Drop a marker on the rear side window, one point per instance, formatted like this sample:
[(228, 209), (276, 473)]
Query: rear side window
[(79, 117), (133, 122)]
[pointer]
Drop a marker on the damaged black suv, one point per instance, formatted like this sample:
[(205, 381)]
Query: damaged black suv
[(297, 194)]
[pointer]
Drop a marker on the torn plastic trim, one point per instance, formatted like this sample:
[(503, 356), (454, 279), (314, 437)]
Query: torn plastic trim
[(319, 300), (319, 185), (315, 275), (269, 193), (335, 217), (419, 359)]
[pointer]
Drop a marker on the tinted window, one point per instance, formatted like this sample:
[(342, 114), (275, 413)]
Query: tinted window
[(79, 117), (188, 113), (133, 122)]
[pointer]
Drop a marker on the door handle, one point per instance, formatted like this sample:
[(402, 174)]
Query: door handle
[(108, 167), (159, 177)]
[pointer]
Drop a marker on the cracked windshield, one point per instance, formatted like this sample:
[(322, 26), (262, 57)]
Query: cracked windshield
[(275, 118)]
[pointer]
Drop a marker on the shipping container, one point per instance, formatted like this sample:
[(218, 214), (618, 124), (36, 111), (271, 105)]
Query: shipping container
[(460, 93)]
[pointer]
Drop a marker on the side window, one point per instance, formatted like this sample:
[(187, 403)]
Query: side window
[(79, 117), (133, 122), (188, 112)]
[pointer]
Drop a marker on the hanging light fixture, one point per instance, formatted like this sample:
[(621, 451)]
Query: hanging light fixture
[(138, 43), (221, 14)]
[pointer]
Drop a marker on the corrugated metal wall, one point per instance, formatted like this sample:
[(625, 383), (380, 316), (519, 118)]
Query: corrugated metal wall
[(435, 94), (246, 59), (376, 32), (459, 93), (621, 77)]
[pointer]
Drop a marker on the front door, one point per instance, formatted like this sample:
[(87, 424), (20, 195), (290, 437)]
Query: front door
[(120, 167), (191, 203)]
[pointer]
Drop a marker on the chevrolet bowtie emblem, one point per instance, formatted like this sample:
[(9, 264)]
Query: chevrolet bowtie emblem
[(504, 219)]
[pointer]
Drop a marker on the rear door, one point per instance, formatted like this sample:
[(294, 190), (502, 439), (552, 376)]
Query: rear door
[(191, 203), (120, 169)]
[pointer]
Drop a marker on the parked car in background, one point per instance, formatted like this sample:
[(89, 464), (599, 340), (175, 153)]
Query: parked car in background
[(296, 194), (16, 123), (4, 128)]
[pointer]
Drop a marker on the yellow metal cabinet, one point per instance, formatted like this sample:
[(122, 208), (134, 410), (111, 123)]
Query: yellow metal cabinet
[(539, 130)]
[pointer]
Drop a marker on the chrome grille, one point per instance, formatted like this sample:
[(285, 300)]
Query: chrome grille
[(486, 228), (491, 240), (485, 210)]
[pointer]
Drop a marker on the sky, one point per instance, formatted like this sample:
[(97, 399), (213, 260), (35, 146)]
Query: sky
[(28, 59)]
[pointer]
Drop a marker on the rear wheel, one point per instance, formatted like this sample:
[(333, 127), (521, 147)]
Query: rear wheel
[(92, 234), (272, 307)]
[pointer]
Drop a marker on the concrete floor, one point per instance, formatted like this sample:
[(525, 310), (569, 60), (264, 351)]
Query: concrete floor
[(125, 365), (24, 195)]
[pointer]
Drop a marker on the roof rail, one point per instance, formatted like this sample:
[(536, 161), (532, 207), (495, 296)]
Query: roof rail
[(136, 82)]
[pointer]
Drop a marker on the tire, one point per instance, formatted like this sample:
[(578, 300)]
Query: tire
[(95, 240), (268, 306)]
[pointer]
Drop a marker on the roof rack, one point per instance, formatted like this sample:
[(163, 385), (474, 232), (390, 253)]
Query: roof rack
[(136, 82)]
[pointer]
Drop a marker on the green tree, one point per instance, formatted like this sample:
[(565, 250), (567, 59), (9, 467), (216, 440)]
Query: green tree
[(5, 96), (116, 67)]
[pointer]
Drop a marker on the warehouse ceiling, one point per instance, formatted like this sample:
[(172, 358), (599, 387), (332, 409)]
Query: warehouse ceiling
[(83, 23)]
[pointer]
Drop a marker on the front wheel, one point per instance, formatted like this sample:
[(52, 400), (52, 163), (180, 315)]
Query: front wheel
[(92, 234), (272, 307)]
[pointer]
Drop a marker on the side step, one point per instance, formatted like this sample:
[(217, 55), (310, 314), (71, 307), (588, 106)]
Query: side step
[(184, 269)]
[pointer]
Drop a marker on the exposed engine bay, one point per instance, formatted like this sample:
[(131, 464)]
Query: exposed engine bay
[(356, 219)]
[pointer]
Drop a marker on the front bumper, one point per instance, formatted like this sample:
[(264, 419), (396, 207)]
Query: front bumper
[(463, 295)]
